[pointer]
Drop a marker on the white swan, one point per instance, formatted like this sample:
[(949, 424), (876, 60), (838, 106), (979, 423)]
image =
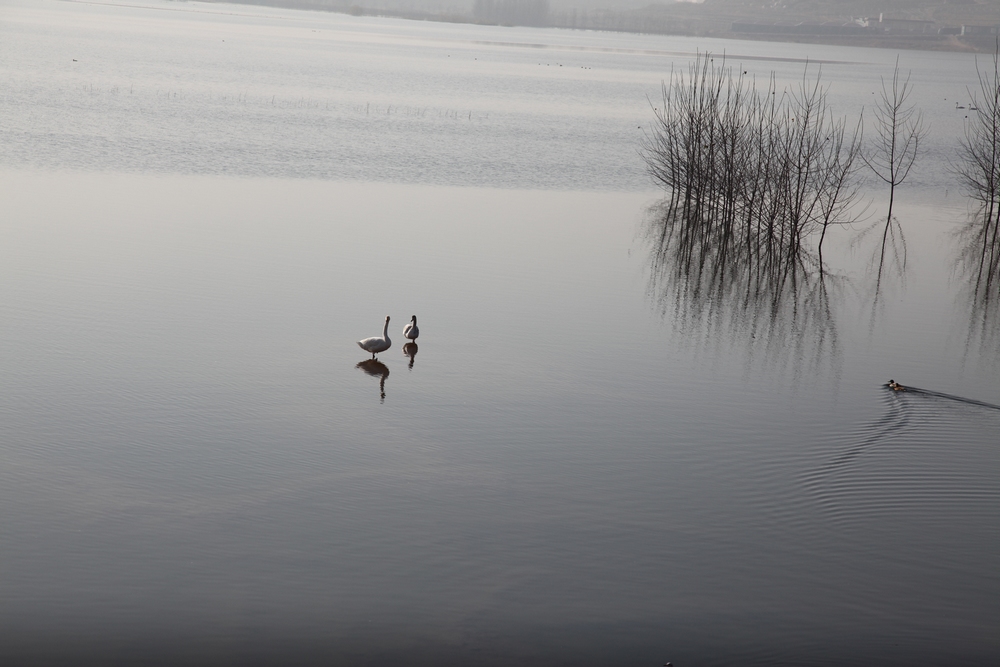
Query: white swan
[(376, 344), (410, 330)]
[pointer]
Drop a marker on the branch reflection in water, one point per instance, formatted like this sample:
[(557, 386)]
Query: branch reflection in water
[(377, 369), (979, 266), (979, 239), (718, 288), (410, 350)]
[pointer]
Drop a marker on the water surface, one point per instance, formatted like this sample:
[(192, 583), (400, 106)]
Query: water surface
[(194, 467)]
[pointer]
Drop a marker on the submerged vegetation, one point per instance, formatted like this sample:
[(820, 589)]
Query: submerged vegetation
[(757, 177), (898, 132), (763, 173), (755, 180), (979, 171)]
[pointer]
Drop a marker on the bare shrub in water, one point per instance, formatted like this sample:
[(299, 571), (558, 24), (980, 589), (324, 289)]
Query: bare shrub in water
[(760, 172), (979, 171), (755, 178)]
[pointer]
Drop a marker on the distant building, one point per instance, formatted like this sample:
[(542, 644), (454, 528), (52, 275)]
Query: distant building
[(973, 30), (828, 28), (903, 26), (512, 12)]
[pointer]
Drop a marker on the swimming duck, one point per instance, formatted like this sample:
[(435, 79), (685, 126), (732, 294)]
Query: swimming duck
[(895, 386), (376, 344), (410, 330)]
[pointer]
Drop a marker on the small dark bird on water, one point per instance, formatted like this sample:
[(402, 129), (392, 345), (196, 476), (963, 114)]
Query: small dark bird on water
[(895, 386)]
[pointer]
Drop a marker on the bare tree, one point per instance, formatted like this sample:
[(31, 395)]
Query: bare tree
[(979, 169), (899, 129)]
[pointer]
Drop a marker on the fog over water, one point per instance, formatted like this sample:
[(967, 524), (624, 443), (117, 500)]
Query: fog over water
[(585, 459)]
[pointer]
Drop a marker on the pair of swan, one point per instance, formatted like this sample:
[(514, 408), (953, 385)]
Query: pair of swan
[(377, 344)]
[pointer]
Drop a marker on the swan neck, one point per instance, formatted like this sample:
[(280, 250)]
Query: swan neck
[(385, 330)]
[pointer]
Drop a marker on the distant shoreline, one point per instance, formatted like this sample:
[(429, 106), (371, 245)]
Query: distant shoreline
[(953, 43)]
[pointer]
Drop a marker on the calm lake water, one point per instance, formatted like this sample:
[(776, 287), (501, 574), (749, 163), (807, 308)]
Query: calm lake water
[(206, 205)]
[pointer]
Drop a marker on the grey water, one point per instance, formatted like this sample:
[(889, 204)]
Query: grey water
[(206, 205)]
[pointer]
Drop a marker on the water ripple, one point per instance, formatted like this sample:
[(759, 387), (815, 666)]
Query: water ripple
[(924, 455)]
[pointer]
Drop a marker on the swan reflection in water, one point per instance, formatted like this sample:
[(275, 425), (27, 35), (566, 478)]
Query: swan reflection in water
[(376, 368), (764, 292), (410, 350)]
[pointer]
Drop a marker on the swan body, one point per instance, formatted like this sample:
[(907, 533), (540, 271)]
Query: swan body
[(410, 330), (377, 344)]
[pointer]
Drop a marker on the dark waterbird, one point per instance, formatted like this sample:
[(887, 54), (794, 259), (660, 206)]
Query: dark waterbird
[(895, 386)]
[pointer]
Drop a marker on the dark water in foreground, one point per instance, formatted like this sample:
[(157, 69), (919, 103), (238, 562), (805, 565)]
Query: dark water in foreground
[(569, 470)]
